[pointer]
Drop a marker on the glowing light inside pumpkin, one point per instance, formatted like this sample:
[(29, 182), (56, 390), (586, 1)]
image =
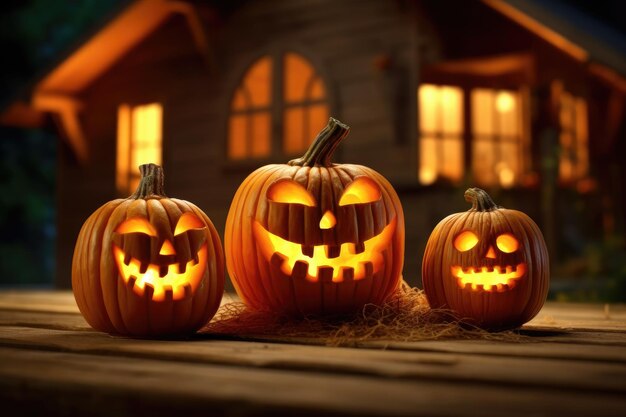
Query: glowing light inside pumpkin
[(289, 191), (507, 243), (295, 264), (361, 190), (136, 225), (188, 221), (328, 220), (167, 248), (465, 241), (490, 279), (179, 284)]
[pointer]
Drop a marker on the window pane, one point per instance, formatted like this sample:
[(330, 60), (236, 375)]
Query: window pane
[(482, 112), (298, 73), (452, 166), (507, 169), (123, 148), (451, 101), (293, 130), (317, 90), (237, 137), (507, 110), (582, 140), (483, 161), (318, 118), (428, 97), (258, 82), (261, 131), (441, 126), (239, 100), (139, 137), (428, 160)]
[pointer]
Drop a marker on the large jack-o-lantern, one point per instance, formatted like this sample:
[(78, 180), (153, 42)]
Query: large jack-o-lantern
[(148, 265), (313, 237), (490, 265)]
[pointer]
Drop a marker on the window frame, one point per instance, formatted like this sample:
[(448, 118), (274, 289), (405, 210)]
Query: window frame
[(277, 107), (132, 104), (467, 85)]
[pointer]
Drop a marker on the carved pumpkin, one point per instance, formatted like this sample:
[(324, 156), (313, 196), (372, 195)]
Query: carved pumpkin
[(148, 265), (489, 264), (313, 237)]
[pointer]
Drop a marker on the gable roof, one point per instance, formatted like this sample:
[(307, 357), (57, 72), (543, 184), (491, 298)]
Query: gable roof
[(573, 33), (55, 92)]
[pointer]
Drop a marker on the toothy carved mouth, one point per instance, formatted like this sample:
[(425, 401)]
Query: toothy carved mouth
[(181, 280), (490, 279), (347, 261)]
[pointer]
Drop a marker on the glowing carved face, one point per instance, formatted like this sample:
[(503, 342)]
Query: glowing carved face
[(490, 276), (149, 262), (329, 250)]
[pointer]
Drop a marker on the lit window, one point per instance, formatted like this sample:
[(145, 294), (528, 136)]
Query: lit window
[(497, 140), (138, 142), (441, 133), (574, 155), (302, 108)]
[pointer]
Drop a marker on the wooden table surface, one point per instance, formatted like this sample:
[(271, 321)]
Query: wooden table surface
[(52, 363)]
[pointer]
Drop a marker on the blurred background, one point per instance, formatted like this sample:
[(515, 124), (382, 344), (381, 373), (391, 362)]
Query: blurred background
[(522, 98)]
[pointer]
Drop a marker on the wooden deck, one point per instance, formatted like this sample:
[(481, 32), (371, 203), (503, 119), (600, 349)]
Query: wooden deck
[(52, 363)]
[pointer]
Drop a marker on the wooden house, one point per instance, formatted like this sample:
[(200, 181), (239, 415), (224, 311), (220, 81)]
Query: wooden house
[(514, 96)]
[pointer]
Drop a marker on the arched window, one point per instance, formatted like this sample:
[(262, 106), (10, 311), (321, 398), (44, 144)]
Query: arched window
[(290, 91)]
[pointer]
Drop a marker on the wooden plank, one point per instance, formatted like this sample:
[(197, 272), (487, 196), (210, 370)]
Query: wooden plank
[(101, 385), (42, 300), (525, 371)]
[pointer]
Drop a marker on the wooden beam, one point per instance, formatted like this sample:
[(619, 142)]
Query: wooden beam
[(67, 109), (555, 39), (195, 27)]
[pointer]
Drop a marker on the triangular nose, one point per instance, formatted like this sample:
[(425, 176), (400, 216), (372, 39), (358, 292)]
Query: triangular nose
[(167, 248), (491, 253), (328, 220)]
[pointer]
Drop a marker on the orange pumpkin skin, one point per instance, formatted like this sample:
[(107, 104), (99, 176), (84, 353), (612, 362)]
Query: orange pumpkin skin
[(297, 242), (489, 265), (173, 240)]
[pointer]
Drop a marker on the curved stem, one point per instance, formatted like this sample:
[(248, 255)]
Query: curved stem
[(321, 150), (151, 183), (481, 201)]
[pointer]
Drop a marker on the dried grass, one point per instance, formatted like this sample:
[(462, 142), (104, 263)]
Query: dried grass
[(405, 317)]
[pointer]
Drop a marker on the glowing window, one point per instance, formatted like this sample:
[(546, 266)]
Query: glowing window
[(139, 137), (301, 108), (574, 153), (497, 137), (441, 133)]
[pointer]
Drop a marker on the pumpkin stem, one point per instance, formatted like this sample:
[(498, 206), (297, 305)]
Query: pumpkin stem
[(321, 150), (481, 201), (151, 183)]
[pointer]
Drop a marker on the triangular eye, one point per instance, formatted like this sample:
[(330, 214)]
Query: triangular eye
[(288, 191), (360, 191), (136, 225), (187, 222)]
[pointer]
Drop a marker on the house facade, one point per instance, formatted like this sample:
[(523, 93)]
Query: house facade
[(494, 94)]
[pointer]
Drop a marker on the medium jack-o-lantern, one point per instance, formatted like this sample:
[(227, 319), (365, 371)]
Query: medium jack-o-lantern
[(148, 265), (489, 265), (313, 237)]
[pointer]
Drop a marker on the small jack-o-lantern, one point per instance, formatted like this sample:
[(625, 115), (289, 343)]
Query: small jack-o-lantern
[(313, 237), (148, 265), (489, 265)]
